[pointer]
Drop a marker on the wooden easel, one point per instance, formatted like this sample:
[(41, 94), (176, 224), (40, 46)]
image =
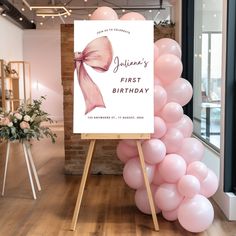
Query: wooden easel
[(93, 138)]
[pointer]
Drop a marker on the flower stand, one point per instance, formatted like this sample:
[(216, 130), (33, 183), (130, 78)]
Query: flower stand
[(30, 167)]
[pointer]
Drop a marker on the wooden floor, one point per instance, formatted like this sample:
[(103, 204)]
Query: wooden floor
[(107, 208)]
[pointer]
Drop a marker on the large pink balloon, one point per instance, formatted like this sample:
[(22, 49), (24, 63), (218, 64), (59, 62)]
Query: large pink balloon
[(167, 197), (132, 16), (133, 175), (170, 215), (179, 91), (196, 214), (125, 152), (142, 202), (168, 46), (168, 68), (104, 13), (185, 125), (160, 98), (189, 186), (173, 140), (159, 128), (156, 52), (172, 112), (191, 150), (157, 179), (154, 151), (198, 169), (209, 185), (172, 168)]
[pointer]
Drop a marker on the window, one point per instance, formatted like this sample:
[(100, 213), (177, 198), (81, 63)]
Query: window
[(207, 70)]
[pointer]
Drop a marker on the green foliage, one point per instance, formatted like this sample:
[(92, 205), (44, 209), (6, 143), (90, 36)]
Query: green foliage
[(26, 123)]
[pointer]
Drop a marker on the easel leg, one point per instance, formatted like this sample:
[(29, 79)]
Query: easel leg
[(82, 184), (29, 171), (5, 170), (147, 185), (33, 166)]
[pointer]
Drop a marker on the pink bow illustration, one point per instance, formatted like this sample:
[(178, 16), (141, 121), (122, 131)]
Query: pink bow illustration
[(98, 55)]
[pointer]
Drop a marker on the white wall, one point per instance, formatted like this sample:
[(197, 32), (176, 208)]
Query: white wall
[(42, 49), (11, 41)]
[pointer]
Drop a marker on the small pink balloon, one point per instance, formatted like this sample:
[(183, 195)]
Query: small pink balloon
[(104, 13), (159, 128), (154, 151), (125, 152), (167, 197), (157, 179), (132, 16), (191, 150), (168, 46), (196, 214), (142, 201), (172, 168), (156, 52), (172, 112), (185, 125), (173, 140), (130, 142), (209, 185), (168, 68), (188, 186), (160, 98), (170, 215), (179, 91), (198, 169), (157, 82), (133, 175)]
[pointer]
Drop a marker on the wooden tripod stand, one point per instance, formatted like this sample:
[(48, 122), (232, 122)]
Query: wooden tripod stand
[(93, 138)]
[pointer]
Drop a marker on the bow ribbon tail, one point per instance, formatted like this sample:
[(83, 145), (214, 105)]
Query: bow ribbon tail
[(92, 95)]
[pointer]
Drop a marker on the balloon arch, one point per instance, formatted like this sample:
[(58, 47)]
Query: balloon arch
[(180, 182)]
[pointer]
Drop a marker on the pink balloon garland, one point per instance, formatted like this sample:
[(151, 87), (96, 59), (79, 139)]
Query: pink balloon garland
[(180, 182)]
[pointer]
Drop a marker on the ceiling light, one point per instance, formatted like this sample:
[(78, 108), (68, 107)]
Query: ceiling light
[(21, 19), (89, 15), (123, 10), (54, 10), (65, 16), (4, 14), (70, 10), (32, 21), (52, 17), (41, 23), (85, 0), (150, 11), (22, 9)]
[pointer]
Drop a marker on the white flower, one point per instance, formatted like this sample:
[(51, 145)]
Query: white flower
[(10, 124), (27, 118), (18, 116)]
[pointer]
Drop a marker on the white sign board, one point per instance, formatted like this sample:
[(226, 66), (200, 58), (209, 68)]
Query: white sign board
[(113, 77)]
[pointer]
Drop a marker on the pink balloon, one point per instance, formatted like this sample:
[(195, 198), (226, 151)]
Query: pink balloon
[(209, 185), (104, 13), (172, 168), (189, 186), (168, 46), (197, 169), (156, 52), (154, 151), (132, 16), (157, 179), (125, 152), (191, 150), (196, 214), (133, 175), (170, 215), (179, 91), (167, 197), (168, 68), (160, 98), (142, 202), (185, 125), (130, 142), (173, 140), (159, 128), (172, 112)]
